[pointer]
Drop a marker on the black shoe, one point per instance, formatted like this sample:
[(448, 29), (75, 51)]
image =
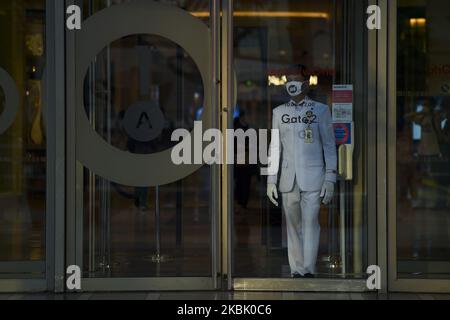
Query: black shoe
[(297, 275), (309, 275)]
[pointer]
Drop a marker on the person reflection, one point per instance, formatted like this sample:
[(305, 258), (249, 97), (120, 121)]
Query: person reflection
[(427, 149), (242, 172), (428, 143), (242, 184), (429, 177), (444, 138), (140, 193), (443, 125), (444, 128)]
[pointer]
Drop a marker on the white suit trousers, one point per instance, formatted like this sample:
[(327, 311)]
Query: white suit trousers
[(303, 229)]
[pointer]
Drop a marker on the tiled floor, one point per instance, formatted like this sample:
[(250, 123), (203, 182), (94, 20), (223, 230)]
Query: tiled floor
[(223, 296)]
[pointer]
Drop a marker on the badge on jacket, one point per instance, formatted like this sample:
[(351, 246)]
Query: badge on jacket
[(309, 136)]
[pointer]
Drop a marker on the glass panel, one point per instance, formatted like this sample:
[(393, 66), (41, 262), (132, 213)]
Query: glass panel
[(423, 140), (271, 39), (22, 139), (121, 229)]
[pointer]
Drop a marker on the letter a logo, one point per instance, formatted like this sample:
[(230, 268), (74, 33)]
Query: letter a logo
[(74, 19), (144, 119), (374, 19), (374, 280), (74, 278)]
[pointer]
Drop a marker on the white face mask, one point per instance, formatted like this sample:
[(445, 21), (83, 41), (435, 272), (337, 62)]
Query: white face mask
[(294, 88)]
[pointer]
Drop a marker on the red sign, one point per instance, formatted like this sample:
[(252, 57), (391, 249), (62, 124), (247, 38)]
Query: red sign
[(343, 94)]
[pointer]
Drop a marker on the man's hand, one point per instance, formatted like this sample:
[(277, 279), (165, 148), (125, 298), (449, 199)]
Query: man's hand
[(272, 193), (327, 192)]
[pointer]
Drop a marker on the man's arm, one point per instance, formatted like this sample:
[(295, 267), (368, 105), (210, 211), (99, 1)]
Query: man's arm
[(329, 145)]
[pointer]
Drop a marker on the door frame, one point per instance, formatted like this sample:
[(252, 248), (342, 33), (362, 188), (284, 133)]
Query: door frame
[(74, 187), (397, 284)]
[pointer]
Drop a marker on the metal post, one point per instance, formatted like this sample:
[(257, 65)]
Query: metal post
[(158, 257), (92, 177), (180, 118), (157, 223), (228, 108), (332, 259), (56, 164), (105, 258), (215, 207)]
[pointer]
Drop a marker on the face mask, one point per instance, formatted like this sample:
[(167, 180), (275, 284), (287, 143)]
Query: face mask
[(294, 88)]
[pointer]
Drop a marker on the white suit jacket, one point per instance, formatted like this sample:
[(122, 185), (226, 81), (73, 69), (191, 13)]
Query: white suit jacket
[(310, 163)]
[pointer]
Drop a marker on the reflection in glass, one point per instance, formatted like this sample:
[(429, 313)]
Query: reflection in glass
[(423, 140), (23, 144)]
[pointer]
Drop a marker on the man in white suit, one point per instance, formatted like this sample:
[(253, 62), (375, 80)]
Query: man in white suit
[(306, 144)]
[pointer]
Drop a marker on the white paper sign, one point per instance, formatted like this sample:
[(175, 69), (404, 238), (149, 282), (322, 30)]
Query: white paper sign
[(342, 112), (343, 103)]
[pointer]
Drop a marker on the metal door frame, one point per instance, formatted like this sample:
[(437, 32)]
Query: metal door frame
[(395, 283), (74, 203)]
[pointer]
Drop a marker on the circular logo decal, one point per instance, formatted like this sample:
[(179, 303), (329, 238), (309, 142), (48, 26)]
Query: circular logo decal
[(97, 32)]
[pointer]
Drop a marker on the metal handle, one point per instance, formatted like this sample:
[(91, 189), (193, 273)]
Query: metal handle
[(345, 155)]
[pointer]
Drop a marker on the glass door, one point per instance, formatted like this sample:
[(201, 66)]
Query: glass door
[(137, 221), (419, 155), (300, 244), (23, 146)]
